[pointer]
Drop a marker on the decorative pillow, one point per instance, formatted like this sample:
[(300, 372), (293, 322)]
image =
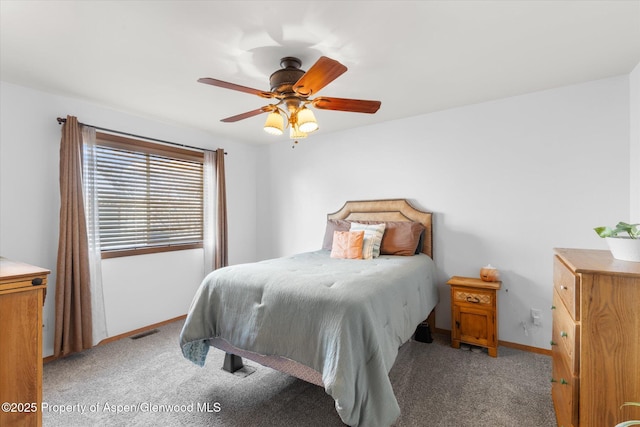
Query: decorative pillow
[(399, 238), (372, 238), (402, 238), (347, 244), (334, 225)]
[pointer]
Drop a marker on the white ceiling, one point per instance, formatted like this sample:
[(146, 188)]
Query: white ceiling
[(144, 57)]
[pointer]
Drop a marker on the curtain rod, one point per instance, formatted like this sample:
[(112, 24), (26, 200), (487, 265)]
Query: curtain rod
[(61, 121)]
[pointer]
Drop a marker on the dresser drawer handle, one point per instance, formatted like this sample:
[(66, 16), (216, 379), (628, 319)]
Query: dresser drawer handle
[(552, 342), (474, 300), (563, 287), (36, 282), (563, 381), (553, 307), (563, 334)]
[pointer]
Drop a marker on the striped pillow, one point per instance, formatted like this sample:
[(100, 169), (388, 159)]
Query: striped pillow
[(372, 238)]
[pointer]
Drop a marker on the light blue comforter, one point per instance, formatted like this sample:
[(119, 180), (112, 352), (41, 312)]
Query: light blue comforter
[(344, 318)]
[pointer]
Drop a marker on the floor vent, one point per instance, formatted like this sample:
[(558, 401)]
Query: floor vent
[(145, 334)]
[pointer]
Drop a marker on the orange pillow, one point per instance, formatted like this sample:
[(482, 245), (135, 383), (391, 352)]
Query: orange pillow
[(347, 244)]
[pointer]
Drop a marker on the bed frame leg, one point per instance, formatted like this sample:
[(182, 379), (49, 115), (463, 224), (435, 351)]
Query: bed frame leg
[(232, 362)]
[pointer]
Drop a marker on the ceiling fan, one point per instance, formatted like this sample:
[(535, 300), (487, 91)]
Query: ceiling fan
[(292, 88)]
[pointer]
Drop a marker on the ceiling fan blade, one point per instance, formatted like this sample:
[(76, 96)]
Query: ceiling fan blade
[(323, 72), (246, 115), (233, 86), (343, 104)]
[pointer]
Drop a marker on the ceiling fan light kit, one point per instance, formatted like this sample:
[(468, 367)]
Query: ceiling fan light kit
[(292, 87)]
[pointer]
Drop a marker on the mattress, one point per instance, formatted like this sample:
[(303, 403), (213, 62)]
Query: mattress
[(343, 318)]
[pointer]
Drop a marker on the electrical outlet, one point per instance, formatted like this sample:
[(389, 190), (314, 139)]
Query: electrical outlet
[(536, 316)]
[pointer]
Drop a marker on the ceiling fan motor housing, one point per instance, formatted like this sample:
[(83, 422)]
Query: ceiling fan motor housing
[(283, 80)]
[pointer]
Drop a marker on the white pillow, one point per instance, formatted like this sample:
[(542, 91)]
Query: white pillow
[(372, 238)]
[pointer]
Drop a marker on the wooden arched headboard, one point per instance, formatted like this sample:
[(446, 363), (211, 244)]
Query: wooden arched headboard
[(388, 210)]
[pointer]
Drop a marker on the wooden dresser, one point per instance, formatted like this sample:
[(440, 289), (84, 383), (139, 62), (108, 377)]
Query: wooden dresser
[(595, 338), (22, 293)]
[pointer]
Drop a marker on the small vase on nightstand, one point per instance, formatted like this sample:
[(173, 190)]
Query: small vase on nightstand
[(489, 274)]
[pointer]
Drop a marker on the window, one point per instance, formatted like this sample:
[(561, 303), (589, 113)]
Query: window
[(149, 196)]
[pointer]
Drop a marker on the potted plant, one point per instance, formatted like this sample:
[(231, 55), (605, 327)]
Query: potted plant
[(623, 240), (632, 422)]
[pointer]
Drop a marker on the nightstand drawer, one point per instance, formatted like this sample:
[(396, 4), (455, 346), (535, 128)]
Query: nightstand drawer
[(565, 337), (566, 284), (473, 296)]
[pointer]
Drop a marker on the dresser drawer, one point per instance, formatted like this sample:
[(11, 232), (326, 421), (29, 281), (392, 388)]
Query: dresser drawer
[(564, 390), (565, 282), (24, 282), (565, 336), (473, 296)]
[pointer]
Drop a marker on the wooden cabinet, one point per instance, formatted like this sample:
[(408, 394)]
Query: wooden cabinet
[(595, 338), (474, 313), (22, 292)]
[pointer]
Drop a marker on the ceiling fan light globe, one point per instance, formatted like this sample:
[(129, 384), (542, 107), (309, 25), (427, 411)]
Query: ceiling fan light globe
[(274, 124), (307, 121), (296, 133), (309, 127)]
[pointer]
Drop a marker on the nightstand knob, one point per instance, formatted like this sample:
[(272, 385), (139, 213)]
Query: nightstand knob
[(563, 381), (563, 334), (553, 307), (553, 342), (553, 380)]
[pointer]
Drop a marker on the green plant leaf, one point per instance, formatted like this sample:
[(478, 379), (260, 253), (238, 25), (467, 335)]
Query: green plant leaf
[(633, 230), (623, 227), (605, 232)]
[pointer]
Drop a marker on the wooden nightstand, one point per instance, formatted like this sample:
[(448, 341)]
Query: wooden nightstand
[(474, 313)]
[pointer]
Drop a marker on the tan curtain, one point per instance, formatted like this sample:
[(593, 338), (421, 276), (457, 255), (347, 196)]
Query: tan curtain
[(221, 212), (73, 329)]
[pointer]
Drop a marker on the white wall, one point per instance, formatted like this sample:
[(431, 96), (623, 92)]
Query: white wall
[(139, 290), (634, 139), (507, 180), (146, 289)]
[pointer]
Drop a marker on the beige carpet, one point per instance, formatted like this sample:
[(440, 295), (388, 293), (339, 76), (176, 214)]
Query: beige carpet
[(147, 382)]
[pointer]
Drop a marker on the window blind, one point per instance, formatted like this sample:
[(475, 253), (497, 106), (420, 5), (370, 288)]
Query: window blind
[(147, 198)]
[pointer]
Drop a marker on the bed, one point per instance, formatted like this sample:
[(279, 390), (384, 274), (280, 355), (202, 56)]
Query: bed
[(331, 321)]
